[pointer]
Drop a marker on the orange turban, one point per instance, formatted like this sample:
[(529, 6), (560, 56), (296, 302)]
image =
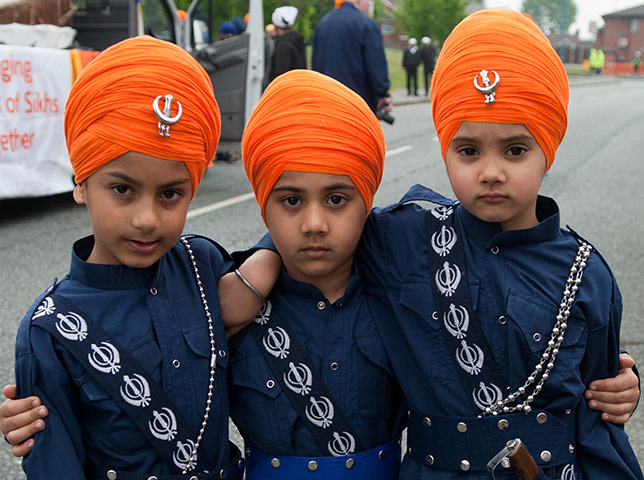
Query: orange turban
[(109, 110), (532, 83), (308, 122)]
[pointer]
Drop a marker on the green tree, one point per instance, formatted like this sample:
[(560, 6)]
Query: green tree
[(548, 14), (432, 18)]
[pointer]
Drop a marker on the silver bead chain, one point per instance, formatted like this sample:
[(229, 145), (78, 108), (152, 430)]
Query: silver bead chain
[(213, 355), (511, 403)]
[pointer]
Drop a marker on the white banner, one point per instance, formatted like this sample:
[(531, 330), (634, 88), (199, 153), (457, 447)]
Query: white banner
[(34, 85)]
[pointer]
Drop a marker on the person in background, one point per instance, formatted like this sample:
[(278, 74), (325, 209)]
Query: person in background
[(290, 50), (428, 54), (637, 62), (411, 60), (348, 46), (227, 30)]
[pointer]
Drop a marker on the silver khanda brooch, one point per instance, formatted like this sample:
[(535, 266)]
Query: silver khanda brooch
[(165, 120), (487, 88)]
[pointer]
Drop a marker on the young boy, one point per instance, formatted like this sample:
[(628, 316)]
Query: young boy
[(128, 350), (303, 126), (312, 391), (489, 340)]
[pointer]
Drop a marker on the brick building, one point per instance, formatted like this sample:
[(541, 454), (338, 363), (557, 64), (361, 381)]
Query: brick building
[(622, 35)]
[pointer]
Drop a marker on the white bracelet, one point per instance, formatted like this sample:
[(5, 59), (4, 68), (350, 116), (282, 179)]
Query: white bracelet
[(250, 287)]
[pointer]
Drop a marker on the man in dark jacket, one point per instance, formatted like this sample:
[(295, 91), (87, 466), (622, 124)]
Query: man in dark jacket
[(428, 54), (347, 45), (290, 50), (411, 59)]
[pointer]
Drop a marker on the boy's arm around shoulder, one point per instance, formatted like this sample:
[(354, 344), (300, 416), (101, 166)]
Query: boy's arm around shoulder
[(260, 267), (58, 451), (603, 449)]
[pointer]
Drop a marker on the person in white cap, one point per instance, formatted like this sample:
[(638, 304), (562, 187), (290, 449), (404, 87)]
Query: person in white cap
[(411, 60), (428, 55), (290, 50)]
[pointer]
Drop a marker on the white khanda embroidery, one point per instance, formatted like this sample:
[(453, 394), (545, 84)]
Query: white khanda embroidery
[(164, 424), (457, 321), (72, 326), (105, 358), (277, 342), (486, 395), (447, 279), (299, 378), (442, 212), (444, 240), (47, 307), (469, 358), (568, 473), (264, 315), (136, 390), (342, 444), (320, 413), (181, 455)]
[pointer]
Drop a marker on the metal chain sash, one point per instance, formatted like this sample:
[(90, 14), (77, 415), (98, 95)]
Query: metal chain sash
[(125, 380), (304, 388), (480, 376)]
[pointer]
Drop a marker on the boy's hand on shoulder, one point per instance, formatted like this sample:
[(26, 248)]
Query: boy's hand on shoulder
[(616, 397), (20, 420)]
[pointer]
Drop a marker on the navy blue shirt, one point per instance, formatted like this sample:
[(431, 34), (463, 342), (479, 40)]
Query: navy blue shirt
[(516, 280), (347, 45), (156, 314), (343, 346)]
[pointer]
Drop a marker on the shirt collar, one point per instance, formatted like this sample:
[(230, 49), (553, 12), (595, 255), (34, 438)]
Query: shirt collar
[(106, 277), (288, 285), (491, 233)]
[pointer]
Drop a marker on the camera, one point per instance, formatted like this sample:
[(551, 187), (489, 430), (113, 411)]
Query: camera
[(385, 116)]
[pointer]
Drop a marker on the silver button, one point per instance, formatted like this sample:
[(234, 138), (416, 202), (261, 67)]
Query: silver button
[(176, 363), (536, 337), (427, 421), (542, 418), (382, 454), (494, 250), (568, 411), (334, 366), (505, 463), (461, 427), (321, 305), (248, 452), (222, 353), (153, 477), (223, 474), (465, 465), (275, 462), (349, 463), (503, 424), (571, 448), (153, 291), (503, 320), (313, 465), (429, 459), (111, 475), (270, 383), (546, 456)]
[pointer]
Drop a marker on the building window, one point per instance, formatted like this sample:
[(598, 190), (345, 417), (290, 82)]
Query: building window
[(635, 25)]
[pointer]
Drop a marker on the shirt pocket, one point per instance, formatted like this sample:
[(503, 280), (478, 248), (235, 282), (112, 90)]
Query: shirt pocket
[(258, 406), (531, 320), (422, 328), (197, 339), (374, 379)]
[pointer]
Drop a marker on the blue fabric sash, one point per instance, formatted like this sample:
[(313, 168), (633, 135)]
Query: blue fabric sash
[(303, 386), (473, 359), (124, 380), (382, 463)]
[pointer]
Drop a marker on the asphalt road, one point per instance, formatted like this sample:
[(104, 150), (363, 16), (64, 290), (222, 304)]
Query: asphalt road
[(597, 180)]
